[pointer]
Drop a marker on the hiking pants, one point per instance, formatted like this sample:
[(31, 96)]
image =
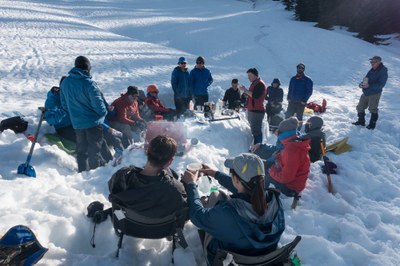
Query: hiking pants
[(88, 148), (281, 187), (181, 104), (127, 133), (67, 133), (295, 108), (371, 102), (199, 100), (256, 120)]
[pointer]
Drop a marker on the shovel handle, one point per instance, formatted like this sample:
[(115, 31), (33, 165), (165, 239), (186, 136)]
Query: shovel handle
[(330, 188)]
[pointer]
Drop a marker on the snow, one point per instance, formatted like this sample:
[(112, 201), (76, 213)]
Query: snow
[(138, 42)]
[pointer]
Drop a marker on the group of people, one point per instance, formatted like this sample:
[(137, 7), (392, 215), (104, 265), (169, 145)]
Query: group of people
[(252, 210)]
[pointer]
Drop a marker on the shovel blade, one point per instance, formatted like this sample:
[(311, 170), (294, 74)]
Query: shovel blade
[(27, 170)]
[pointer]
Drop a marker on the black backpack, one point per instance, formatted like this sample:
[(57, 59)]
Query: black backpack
[(16, 124)]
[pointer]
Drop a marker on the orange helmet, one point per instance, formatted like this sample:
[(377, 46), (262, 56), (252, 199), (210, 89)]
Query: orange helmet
[(152, 88)]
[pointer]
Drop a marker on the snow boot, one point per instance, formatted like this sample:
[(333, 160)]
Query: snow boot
[(372, 121), (361, 120)]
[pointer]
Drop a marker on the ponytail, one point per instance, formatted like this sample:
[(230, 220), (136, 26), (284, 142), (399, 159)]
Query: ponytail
[(255, 188)]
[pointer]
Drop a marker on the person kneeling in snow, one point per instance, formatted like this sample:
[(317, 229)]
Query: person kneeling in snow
[(291, 165), (314, 132), (156, 106), (250, 221)]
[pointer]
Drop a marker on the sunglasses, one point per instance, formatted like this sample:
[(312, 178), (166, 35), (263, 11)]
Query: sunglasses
[(182, 63), (374, 62), (200, 63), (300, 68)]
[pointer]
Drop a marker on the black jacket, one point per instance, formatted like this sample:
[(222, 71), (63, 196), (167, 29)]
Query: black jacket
[(151, 196)]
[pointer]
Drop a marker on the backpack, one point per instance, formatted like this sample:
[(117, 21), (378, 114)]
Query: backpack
[(16, 124), (316, 107), (19, 246)]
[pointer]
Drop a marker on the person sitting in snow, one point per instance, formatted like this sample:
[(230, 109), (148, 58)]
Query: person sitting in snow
[(153, 191), (128, 120), (56, 116), (155, 104), (274, 97), (314, 132), (250, 221), (291, 165), (232, 96)]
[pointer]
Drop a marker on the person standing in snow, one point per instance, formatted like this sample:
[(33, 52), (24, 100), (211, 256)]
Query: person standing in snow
[(82, 99), (200, 79), (274, 97), (153, 191), (371, 86), (291, 165), (250, 221), (255, 103), (180, 82), (232, 96), (300, 90)]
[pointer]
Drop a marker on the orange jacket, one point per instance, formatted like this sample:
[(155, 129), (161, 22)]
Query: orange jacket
[(127, 111), (156, 105)]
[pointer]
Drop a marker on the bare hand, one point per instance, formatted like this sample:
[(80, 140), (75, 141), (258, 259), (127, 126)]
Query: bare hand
[(206, 170), (242, 87), (255, 147), (190, 177)]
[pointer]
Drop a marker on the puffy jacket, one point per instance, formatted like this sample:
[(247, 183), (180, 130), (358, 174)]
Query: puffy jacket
[(127, 111), (274, 95), (376, 80), (155, 105), (256, 102), (151, 196), (300, 88), (233, 223), (82, 99), (55, 115), (200, 79), (180, 82), (316, 135), (292, 164)]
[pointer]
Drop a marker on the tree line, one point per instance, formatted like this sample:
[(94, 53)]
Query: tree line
[(366, 17)]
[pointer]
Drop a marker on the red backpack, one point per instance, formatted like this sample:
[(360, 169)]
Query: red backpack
[(316, 107)]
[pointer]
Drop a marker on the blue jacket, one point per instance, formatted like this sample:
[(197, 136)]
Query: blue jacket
[(82, 99), (55, 115), (180, 82), (200, 79), (236, 232), (376, 80), (300, 89), (274, 95)]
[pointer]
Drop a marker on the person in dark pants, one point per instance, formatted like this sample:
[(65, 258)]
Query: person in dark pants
[(274, 98), (371, 86), (300, 90), (82, 99), (255, 103), (232, 96), (201, 79), (180, 82)]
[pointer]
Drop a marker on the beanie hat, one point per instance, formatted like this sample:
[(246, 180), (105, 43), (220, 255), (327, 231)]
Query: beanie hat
[(314, 122), (200, 59), (288, 124), (276, 81), (181, 60), (152, 88), (246, 165), (82, 63), (253, 71), (301, 65), (132, 90)]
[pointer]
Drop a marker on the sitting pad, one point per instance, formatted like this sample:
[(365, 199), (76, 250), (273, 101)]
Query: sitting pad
[(62, 143)]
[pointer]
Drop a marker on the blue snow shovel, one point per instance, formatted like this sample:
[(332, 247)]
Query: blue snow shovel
[(26, 168)]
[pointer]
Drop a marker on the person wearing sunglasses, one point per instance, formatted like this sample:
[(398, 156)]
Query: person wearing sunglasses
[(371, 86), (300, 90), (180, 83)]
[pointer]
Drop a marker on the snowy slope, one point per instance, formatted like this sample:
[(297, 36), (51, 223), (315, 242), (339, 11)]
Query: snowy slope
[(137, 42)]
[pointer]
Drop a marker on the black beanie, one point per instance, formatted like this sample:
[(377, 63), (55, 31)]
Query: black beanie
[(132, 90), (82, 63), (253, 71)]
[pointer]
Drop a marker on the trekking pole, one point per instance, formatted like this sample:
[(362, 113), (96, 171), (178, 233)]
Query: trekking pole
[(328, 173), (25, 168), (226, 118)]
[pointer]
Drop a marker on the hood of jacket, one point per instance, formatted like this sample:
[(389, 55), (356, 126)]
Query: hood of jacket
[(78, 73)]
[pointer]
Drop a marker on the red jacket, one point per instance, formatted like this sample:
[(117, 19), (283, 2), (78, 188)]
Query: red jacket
[(155, 105), (292, 164), (256, 102), (127, 111)]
